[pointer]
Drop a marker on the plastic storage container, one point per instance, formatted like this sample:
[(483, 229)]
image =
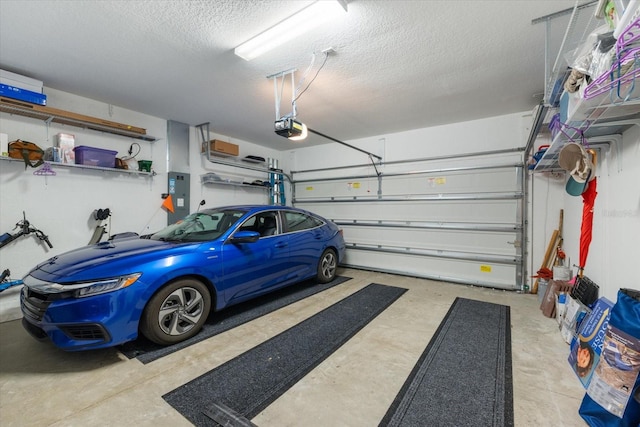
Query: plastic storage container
[(91, 156)]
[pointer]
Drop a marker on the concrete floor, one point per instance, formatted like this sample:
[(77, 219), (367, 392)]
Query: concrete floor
[(43, 386)]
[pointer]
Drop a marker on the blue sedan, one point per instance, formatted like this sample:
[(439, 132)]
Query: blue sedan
[(165, 285)]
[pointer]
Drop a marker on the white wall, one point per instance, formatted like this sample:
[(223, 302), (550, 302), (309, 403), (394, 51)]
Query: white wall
[(62, 205), (613, 254), (616, 218), (496, 133)]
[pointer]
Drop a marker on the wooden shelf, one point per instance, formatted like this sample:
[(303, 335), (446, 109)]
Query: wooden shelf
[(48, 114)]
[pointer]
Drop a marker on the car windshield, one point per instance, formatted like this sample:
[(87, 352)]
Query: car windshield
[(200, 226)]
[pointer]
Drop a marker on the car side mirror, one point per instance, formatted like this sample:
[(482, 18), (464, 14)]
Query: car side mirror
[(245, 236)]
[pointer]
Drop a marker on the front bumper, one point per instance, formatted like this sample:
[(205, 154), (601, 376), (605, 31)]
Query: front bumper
[(78, 323)]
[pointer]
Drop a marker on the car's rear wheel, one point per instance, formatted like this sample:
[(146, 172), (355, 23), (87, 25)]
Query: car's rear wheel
[(327, 266), (176, 312)]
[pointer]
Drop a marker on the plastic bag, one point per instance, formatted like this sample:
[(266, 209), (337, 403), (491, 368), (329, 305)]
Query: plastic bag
[(581, 59), (603, 55)]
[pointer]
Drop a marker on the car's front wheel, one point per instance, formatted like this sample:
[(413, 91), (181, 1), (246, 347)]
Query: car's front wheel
[(176, 312), (327, 266)]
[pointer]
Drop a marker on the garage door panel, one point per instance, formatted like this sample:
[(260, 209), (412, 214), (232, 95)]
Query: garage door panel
[(483, 182), (452, 183), (343, 188), (450, 240), (478, 273), (484, 211)]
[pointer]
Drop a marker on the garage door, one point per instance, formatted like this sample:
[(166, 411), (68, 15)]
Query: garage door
[(455, 218)]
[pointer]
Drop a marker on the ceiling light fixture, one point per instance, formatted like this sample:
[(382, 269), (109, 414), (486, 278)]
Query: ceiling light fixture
[(304, 132), (290, 128), (297, 24)]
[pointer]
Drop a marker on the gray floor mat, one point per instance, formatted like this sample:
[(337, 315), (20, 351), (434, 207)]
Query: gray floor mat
[(247, 384), (463, 377)]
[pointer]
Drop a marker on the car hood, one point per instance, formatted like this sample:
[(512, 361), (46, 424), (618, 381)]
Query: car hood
[(107, 259)]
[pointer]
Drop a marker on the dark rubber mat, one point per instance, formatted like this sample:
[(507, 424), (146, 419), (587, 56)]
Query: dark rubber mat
[(463, 377), (218, 322), (242, 387)]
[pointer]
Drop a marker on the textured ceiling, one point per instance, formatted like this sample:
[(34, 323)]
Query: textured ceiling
[(398, 65)]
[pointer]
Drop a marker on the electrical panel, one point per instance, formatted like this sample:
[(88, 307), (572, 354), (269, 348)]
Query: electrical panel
[(179, 192)]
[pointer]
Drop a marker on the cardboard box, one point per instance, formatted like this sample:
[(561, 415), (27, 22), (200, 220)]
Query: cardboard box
[(23, 94), (21, 85), (222, 148), (590, 340), (66, 143), (554, 288), (18, 80)]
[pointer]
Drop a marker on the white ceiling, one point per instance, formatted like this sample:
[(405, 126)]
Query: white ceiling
[(398, 65)]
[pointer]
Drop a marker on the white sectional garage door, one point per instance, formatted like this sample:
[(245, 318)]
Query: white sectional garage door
[(457, 219)]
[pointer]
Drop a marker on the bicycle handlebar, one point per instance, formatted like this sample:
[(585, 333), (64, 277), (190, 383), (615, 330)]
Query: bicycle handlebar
[(44, 237), (25, 229)]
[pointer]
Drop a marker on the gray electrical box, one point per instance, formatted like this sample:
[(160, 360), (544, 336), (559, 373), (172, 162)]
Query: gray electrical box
[(179, 192)]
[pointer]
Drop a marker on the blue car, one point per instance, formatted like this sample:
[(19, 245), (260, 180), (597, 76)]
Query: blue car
[(165, 285)]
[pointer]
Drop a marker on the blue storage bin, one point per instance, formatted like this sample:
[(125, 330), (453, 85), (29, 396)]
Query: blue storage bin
[(23, 94)]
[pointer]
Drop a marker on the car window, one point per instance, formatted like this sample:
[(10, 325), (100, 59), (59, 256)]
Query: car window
[(297, 221), (200, 226), (209, 222), (264, 223)]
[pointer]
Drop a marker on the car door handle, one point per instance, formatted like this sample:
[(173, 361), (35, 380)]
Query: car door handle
[(281, 245)]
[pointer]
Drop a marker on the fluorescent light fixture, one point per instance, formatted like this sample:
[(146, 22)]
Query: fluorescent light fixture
[(297, 24)]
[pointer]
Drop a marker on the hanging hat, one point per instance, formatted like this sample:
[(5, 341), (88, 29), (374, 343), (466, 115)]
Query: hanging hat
[(574, 159)]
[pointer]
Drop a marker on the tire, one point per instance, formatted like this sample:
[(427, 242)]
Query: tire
[(176, 312), (327, 266)]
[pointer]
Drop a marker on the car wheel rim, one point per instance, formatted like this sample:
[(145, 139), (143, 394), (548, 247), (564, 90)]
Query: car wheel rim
[(181, 311), (328, 265)]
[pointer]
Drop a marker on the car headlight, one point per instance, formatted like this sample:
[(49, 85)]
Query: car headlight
[(82, 289)]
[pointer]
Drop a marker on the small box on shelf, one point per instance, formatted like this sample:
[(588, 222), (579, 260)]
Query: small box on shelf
[(23, 82), (52, 154), (221, 148), (66, 143)]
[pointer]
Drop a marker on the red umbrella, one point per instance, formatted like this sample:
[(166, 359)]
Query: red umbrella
[(588, 199)]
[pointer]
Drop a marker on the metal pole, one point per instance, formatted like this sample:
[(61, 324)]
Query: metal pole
[(344, 143)]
